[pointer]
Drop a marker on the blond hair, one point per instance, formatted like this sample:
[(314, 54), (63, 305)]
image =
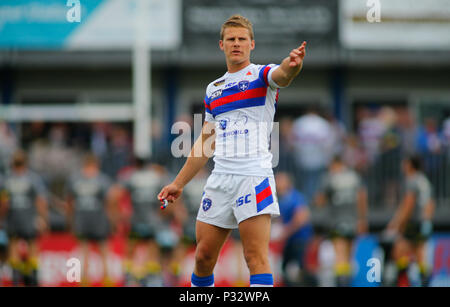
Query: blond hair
[(237, 21)]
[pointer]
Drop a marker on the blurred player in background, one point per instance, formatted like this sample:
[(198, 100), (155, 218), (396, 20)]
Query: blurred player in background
[(143, 183), (93, 208), (240, 193), (24, 201), (297, 230), (343, 190), (412, 222)]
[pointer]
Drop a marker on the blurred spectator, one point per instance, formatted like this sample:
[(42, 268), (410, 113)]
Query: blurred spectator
[(93, 209), (408, 130), (313, 141), (160, 148), (387, 164), (8, 145), (99, 142), (354, 154), (143, 184), (338, 132), (182, 143), (33, 132), (296, 234), (446, 133), (370, 130), (119, 152), (285, 145), (192, 197), (429, 139), (52, 157), (430, 145), (55, 161)]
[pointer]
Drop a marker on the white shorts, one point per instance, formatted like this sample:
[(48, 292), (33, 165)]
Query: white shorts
[(230, 199)]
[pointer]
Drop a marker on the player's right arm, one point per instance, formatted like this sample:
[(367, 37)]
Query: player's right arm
[(199, 155)]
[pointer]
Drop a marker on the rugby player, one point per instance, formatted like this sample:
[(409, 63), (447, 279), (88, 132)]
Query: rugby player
[(412, 222), (240, 192), (142, 184), (93, 208), (343, 190), (25, 203)]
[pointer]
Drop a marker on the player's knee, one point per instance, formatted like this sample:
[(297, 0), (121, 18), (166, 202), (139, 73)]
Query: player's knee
[(204, 258), (255, 259)]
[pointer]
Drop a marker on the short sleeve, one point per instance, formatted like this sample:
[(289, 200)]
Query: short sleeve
[(265, 75), (208, 112), (411, 187)]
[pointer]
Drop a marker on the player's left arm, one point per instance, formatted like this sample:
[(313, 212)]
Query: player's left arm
[(290, 67)]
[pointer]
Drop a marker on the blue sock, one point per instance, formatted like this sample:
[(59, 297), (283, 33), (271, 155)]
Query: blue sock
[(207, 281), (261, 280)]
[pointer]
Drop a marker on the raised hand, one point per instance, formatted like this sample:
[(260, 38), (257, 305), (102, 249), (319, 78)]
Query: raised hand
[(296, 56)]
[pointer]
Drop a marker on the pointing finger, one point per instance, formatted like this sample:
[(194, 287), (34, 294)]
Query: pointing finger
[(302, 46)]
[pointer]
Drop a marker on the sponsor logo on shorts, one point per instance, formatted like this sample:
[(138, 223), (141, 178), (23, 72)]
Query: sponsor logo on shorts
[(243, 200), (206, 204)]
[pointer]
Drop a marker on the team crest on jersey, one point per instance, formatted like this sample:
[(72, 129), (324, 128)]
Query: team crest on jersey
[(216, 94), (206, 204), (243, 85), (220, 82), (223, 124)]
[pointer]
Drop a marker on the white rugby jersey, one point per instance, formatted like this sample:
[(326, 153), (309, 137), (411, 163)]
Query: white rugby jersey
[(242, 106)]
